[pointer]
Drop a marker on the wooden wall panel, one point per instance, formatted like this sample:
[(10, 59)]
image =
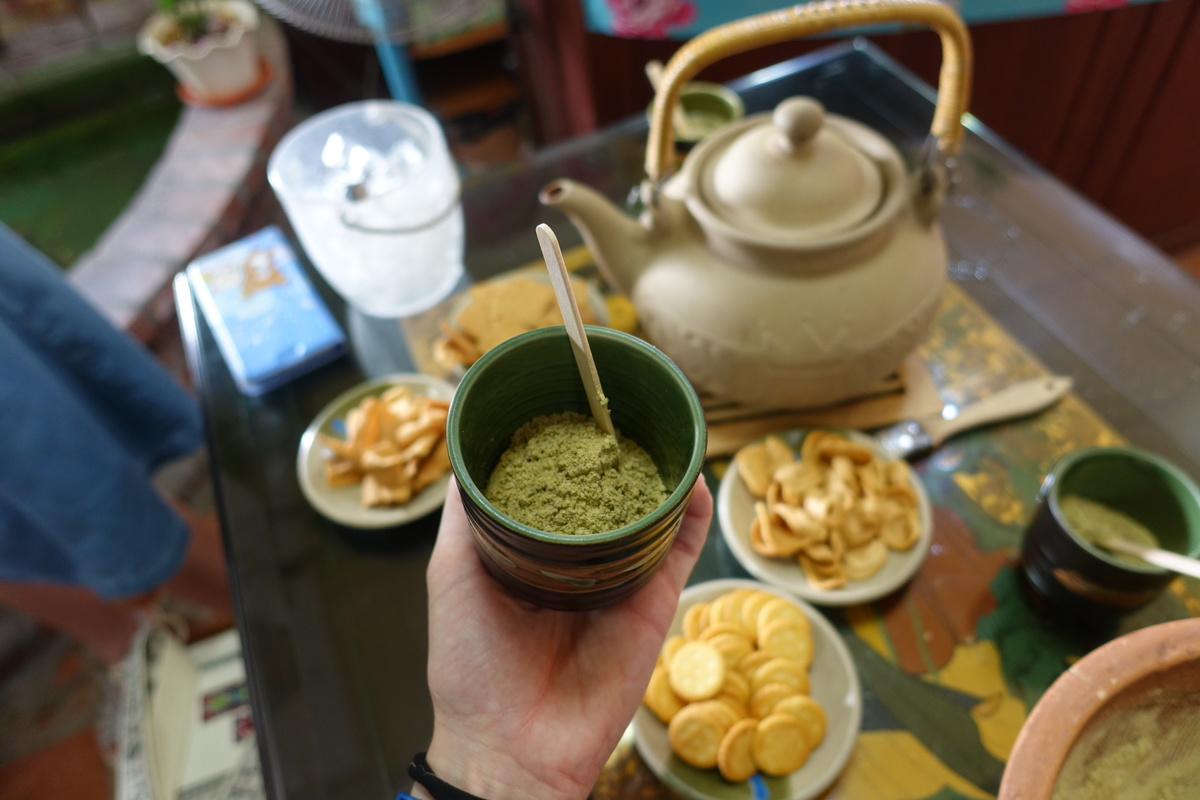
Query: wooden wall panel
[(1156, 184), (1028, 76), (549, 40), (1082, 139), (1118, 130)]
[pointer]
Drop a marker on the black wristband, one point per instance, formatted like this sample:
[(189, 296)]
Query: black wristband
[(420, 771)]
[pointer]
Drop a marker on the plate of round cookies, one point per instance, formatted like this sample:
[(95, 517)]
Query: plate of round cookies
[(754, 696), (826, 515)]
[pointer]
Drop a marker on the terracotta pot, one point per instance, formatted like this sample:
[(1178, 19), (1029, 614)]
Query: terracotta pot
[(1146, 667), (218, 69)]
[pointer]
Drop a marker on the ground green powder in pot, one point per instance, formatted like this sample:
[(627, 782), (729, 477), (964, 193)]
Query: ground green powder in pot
[(1097, 523), (562, 474)]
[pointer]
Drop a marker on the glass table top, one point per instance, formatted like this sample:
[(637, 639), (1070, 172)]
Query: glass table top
[(333, 620)]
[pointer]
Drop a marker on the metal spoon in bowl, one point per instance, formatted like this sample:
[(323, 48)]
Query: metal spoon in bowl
[(561, 282), (1152, 555)]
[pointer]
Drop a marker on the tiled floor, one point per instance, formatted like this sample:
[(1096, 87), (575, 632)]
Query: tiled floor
[(55, 695), (70, 769), (51, 695)]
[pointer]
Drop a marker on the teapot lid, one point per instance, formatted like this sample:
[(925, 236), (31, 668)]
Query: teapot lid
[(792, 177)]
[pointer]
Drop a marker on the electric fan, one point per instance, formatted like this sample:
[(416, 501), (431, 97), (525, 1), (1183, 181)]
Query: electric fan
[(387, 24)]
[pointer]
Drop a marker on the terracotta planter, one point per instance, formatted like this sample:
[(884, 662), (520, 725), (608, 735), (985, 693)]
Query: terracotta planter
[(1155, 667), (217, 70)]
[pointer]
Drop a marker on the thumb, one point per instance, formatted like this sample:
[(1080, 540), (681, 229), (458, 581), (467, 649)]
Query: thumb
[(690, 540)]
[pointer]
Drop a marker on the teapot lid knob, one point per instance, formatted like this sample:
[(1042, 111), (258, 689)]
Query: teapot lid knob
[(799, 119)]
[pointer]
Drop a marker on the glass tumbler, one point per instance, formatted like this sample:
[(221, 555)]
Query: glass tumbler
[(374, 198)]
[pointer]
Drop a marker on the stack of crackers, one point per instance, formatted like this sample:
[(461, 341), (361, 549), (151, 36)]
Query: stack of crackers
[(837, 511), (734, 687), (499, 310), (395, 446)]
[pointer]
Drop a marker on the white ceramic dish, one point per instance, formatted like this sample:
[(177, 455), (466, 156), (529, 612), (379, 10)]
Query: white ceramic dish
[(735, 511), (342, 505), (835, 686)]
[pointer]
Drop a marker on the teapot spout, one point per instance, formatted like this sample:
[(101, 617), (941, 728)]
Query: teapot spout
[(618, 242)]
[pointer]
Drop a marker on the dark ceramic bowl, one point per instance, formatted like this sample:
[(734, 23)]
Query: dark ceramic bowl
[(1084, 578), (534, 374)]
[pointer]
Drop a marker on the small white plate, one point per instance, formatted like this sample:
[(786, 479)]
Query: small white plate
[(735, 511), (342, 505), (834, 685)]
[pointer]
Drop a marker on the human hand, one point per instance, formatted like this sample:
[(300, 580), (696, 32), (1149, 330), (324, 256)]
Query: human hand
[(528, 702)]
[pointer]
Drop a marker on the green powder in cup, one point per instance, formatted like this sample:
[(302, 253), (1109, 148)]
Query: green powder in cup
[(562, 474), (1096, 523)]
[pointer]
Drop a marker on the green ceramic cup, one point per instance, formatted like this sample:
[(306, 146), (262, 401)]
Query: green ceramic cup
[(1084, 577), (534, 374), (707, 107)]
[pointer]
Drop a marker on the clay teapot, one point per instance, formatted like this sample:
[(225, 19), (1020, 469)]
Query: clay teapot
[(793, 260)]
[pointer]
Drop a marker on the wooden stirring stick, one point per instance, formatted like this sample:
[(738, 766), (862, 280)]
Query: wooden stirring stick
[(1152, 555), (561, 282)]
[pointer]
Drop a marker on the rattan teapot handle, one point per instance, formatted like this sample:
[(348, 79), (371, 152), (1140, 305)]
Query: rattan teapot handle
[(805, 20)]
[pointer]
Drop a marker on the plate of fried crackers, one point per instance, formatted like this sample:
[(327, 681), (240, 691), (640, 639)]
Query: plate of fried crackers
[(496, 310), (375, 456), (754, 696), (825, 514)]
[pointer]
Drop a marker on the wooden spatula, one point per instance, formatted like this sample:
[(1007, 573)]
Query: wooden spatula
[(561, 282)]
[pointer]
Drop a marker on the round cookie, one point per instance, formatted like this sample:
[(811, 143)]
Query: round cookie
[(696, 734), (786, 638), (780, 745), (780, 670), (808, 711), (695, 620), (763, 701), (659, 697), (697, 671), (735, 758)]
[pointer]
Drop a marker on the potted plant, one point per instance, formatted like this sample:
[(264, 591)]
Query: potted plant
[(209, 45)]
